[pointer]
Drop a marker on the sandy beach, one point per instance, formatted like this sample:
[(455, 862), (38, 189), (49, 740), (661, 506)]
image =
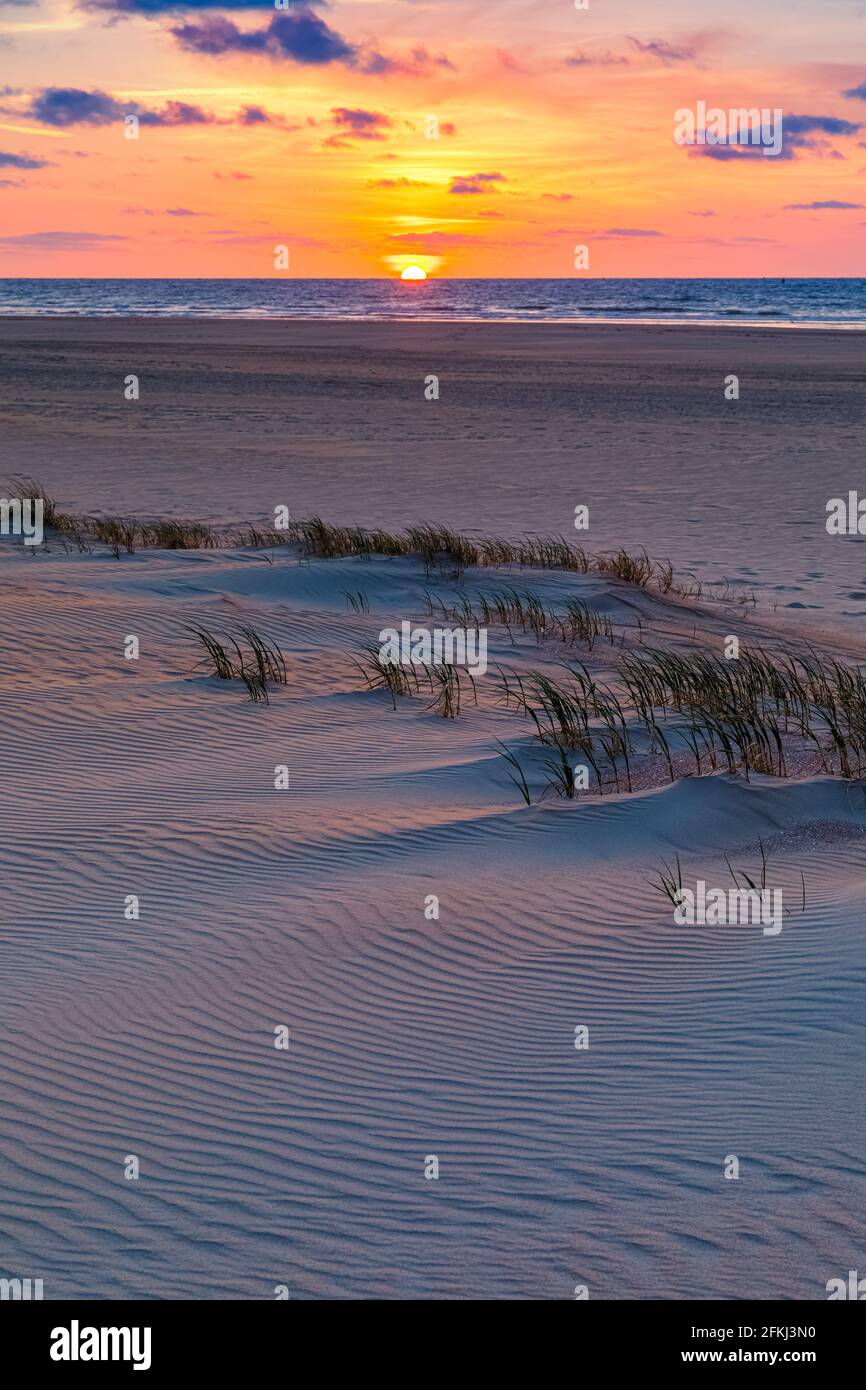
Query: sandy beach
[(531, 421), (303, 907)]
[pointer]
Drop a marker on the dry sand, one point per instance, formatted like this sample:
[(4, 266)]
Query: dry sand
[(305, 907), (532, 420)]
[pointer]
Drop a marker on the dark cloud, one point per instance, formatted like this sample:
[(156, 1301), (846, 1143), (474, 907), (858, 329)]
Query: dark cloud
[(301, 37), (558, 197), (61, 241), (167, 212), (627, 232), (798, 132), (419, 64), (827, 125), (353, 123), (665, 52), (21, 161), (155, 8), (364, 124), (830, 203), (298, 37), (396, 183), (66, 106), (71, 106), (859, 93), (738, 151), (257, 115), (475, 183), (596, 60)]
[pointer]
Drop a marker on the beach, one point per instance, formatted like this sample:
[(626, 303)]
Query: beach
[(582, 1067), (234, 418)]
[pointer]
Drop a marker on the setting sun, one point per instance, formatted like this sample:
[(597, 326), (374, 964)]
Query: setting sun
[(413, 272)]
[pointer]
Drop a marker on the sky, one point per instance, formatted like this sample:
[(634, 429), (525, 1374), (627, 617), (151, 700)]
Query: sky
[(470, 139)]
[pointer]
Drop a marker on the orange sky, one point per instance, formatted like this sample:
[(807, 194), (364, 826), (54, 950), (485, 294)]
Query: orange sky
[(306, 126)]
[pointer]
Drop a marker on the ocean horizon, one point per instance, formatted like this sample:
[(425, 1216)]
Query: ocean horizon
[(747, 302)]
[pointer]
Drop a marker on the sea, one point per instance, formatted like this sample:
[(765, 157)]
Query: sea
[(821, 303)]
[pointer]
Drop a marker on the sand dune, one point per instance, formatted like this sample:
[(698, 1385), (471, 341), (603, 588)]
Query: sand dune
[(409, 1037)]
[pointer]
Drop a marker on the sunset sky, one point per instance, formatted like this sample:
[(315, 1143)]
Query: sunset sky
[(306, 126)]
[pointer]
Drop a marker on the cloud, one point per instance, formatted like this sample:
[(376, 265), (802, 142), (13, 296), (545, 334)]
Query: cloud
[(397, 183), (21, 161), (627, 232), (419, 64), (69, 106), (364, 125), (738, 151), (65, 106), (596, 60), (155, 8), (797, 131), (301, 37), (353, 123), (12, 183), (706, 212), (827, 125), (475, 183), (435, 241), (61, 241), (231, 174), (72, 106), (257, 115), (156, 212), (558, 197), (859, 93), (829, 204), (665, 52)]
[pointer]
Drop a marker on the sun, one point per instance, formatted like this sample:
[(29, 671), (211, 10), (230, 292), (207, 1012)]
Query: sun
[(413, 272)]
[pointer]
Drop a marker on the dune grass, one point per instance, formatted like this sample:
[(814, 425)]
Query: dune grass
[(436, 546), (441, 547), (699, 712), (741, 715), (21, 487), (399, 681), (514, 608), (669, 880), (259, 664), (444, 680)]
